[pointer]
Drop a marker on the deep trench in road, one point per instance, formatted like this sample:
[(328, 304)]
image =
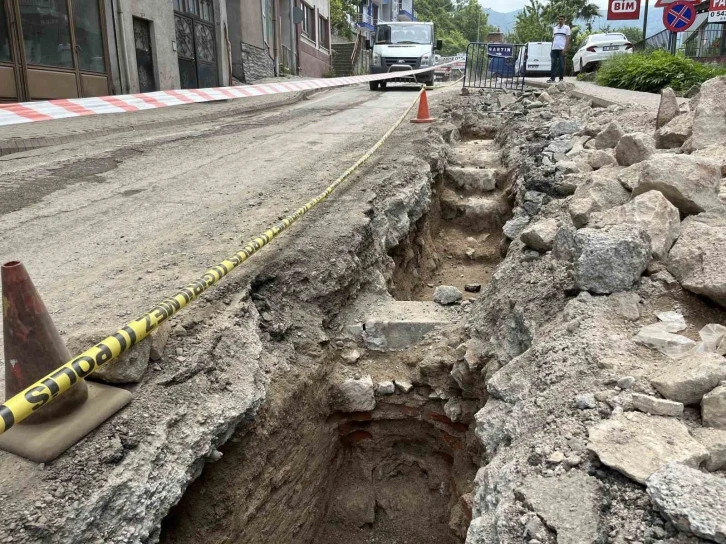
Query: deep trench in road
[(308, 471)]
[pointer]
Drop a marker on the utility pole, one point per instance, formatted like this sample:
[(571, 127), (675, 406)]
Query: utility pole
[(645, 24), (478, 23)]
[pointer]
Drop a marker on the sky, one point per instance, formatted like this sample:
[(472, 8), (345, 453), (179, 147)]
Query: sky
[(504, 6)]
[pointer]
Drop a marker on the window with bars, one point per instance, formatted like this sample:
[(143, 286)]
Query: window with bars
[(308, 24), (203, 9), (323, 34)]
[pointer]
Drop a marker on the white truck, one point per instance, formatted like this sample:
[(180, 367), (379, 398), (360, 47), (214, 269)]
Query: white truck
[(402, 47)]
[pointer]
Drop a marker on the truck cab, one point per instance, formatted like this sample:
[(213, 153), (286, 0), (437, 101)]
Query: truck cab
[(401, 47)]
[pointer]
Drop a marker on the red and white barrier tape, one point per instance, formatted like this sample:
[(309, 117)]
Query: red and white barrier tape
[(29, 112)]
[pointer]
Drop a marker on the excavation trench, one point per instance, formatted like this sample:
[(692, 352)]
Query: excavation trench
[(332, 457)]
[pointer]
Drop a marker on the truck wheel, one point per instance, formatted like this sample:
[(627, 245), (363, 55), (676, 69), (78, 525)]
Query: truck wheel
[(383, 85), (373, 85), (430, 83)]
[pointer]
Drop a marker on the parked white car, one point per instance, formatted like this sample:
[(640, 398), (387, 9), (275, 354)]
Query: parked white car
[(600, 47)]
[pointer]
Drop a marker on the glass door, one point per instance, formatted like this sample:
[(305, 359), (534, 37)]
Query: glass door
[(9, 70)]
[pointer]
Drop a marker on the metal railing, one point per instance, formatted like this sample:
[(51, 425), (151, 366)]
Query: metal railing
[(365, 18), (705, 43), (494, 66)]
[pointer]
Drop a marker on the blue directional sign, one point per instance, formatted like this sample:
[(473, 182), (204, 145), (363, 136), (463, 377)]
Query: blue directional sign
[(500, 50)]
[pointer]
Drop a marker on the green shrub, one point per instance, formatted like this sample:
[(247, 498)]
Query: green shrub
[(651, 72)]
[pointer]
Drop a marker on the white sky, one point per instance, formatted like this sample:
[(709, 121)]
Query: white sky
[(504, 6)]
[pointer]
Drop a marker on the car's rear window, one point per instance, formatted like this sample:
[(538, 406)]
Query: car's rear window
[(606, 37)]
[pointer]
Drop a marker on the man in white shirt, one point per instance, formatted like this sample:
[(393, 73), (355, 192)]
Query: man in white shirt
[(560, 44)]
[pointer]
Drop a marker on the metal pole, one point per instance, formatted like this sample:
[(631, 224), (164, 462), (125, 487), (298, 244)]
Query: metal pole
[(478, 23), (645, 24)]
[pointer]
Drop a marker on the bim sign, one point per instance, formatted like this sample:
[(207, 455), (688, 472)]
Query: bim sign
[(621, 10)]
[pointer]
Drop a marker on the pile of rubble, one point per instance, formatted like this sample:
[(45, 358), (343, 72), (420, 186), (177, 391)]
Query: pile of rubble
[(603, 423)]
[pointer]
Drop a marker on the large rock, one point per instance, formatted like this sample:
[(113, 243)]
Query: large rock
[(668, 108), (610, 259), (713, 408), (159, 338), (650, 211), (601, 193), (601, 158), (447, 294), (690, 183), (714, 440), (569, 504), (688, 379), (714, 153), (675, 133), (609, 136), (638, 445), (709, 121), (354, 395), (698, 258), (692, 501), (516, 225), (129, 367), (541, 235), (656, 406), (564, 126), (634, 148)]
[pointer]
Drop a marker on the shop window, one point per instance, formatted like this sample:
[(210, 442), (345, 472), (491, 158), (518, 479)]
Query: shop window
[(47, 34), (323, 34), (308, 24), (4, 37), (87, 25)]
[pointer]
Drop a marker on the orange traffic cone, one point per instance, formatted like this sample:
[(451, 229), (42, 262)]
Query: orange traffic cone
[(34, 349), (423, 110)]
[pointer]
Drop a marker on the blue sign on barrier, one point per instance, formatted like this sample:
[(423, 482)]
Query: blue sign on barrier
[(500, 50)]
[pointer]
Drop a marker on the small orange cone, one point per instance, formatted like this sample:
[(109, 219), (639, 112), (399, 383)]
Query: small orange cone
[(423, 110), (34, 349)]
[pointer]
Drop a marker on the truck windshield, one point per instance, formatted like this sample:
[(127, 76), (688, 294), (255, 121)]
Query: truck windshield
[(403, 34)]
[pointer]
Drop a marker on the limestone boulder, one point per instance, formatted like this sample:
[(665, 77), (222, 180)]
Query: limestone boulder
[(668, 107), (709, 120), (714, 440), (634, 148), (602, 192), (564, 126), (714, 153), (656, 406), (638, 445), (129, 367), (675, 133), (600, 158), (570, 504), (690, 378), (447, 294), (650, 211), (698, 259), (609, 137), (713, 408), (690, 183), (354, 395), (693, 501), (610, 259), (540, 235)]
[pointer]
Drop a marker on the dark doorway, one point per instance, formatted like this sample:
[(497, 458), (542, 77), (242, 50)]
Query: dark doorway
[(196, 46), (144, 55)]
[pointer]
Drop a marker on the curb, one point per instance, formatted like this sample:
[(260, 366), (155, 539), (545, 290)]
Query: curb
[(596, 100), (18, 145)]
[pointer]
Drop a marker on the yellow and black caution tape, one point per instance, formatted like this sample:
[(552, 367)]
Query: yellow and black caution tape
[(20, 406)]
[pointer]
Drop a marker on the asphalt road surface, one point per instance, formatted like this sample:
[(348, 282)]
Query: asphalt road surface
[(108, 227)]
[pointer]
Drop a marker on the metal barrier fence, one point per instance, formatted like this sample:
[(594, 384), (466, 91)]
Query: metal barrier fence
[(495, 66), (708, 42)]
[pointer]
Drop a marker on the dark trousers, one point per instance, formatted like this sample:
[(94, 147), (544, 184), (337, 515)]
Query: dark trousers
[(557, 56)]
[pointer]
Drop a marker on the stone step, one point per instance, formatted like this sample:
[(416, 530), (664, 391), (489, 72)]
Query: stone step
[(479, 156), (473, 179), (486, 213), (394, 325)]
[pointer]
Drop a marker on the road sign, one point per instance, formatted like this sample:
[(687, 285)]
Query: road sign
[(622, 10), (665, 3), (679, 16), (500, 50), (717, 11)]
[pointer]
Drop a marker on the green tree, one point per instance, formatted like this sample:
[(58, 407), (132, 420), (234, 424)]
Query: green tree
[(633, 33), (340, 10), (531, 24), (456, 23)]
